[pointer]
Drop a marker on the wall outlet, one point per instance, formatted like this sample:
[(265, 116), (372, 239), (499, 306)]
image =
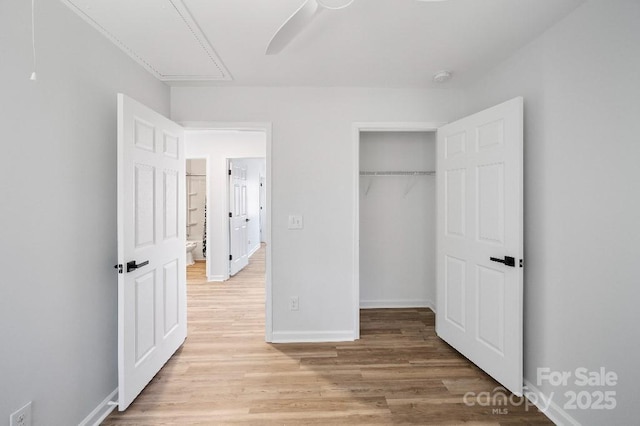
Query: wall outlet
[(294, 303), (22, 417)]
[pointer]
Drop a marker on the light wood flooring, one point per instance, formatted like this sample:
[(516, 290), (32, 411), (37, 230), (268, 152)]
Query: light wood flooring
[(399, 372)]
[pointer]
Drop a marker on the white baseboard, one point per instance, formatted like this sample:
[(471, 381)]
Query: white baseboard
[(253, 250), (216, 278), (555, 413), (102, 410), (311, 336), (397, 303)]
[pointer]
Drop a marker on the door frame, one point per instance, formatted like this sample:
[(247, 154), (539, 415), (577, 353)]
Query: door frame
[(265, 127), (356, 129)]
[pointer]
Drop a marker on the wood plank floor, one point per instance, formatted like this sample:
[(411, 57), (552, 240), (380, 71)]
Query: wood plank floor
[(399, 372)]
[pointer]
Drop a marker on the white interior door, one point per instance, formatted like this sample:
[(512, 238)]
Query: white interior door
[(262, 207), (480, 240), (152, 315), (238, 218)]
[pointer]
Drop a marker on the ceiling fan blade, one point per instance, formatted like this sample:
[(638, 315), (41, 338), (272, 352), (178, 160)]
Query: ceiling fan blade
[(292, 26)]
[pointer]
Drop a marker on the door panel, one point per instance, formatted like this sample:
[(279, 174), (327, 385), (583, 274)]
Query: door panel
[(490, 208), (171, 203), (455, 288), (144, 205), (145, 315), (151, 228), (479, 301), (490, 309), (455, 181), (171, 292)]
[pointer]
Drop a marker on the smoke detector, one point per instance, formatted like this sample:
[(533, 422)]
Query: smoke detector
[(442, 76)]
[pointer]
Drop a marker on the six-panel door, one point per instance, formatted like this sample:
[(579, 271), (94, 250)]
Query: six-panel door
[(479, 300), (151, 234)]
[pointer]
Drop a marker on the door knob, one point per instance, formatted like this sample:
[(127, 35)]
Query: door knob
[(132, 266), (508, 260)]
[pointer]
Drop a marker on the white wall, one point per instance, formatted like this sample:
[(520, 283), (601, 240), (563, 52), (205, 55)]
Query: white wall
[(217, 146), (312, 174), (58, 308), (580, 82), (397, 221)]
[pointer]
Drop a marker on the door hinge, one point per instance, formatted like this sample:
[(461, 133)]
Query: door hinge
[(230, 257), (118, 267), (229, 172), (230, 214), (522, 263)]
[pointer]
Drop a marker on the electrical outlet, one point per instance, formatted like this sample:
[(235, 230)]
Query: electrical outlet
[(294, 303), (22, 417)]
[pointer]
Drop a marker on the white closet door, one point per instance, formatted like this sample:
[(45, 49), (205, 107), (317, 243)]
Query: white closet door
[(480, 240)]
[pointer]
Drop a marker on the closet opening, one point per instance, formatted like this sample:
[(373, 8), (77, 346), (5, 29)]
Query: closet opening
[(396, 218)]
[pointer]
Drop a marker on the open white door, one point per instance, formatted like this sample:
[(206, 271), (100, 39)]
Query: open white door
[(480, 240), (238, 218), (262, 202), (152, 315)]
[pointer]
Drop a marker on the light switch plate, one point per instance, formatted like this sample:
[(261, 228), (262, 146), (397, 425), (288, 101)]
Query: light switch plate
[(295, 221)]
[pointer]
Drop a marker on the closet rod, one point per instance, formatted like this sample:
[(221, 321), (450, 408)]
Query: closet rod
[(398, 173)]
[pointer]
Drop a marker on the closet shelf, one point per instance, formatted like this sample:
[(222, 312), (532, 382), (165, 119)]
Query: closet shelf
[(193, 193), (192, 209), (397, 173), (409, 186), (191, 224)]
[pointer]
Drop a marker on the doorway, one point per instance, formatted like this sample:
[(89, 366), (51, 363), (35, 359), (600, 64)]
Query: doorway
[(196, 214), (244, 200), (479, 236), (378, 175), (397, 220), (219, 142)]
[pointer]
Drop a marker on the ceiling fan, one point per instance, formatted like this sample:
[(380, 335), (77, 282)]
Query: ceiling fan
[(301, 18)]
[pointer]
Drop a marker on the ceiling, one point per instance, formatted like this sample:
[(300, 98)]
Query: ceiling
[(371, 43)]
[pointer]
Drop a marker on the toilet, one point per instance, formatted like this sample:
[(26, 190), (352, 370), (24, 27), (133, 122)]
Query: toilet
[(191, 245)]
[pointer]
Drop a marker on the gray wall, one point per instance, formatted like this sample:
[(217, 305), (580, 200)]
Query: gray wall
[(581, 85), (313, 175), (58, 310), (580, 81)]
